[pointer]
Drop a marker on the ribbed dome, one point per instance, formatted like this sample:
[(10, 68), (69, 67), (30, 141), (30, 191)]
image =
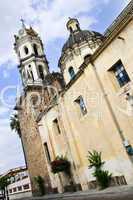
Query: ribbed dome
[(79, 38), (91, 37)]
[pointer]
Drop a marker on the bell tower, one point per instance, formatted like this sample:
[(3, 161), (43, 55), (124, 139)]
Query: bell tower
[(33, 63), (33, 67)]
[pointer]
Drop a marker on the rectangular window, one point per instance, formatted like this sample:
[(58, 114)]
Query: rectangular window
[(26, 187), (56, 126), (24, 175), (14, 189), (10, 191), (120, 73), (47, 152), (19, 188), (81, 103), (17, 178)]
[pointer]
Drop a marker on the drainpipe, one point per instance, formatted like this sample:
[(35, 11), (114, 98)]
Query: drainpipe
[(127, 146)]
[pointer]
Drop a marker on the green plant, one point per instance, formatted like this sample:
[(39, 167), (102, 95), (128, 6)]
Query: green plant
[(95, 159), (15, 124), (103, 177), (40, 183)]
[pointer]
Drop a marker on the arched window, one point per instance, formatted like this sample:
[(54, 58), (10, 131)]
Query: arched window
[(23, 75), (35, 49), (30, 73), (26, 50), (71, 72), (41, 73), (19, 54)]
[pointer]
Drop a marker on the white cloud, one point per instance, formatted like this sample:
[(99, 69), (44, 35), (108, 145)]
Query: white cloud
[(3, 110), (49, 18), (10, 147)]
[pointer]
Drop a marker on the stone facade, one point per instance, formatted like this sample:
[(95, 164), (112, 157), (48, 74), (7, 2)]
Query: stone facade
[(33, 148), (93, 111)]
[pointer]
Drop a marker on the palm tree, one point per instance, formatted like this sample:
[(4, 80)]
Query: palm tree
[(15, 126)]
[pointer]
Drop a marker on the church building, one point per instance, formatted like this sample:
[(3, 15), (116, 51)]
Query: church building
[(86, 106)]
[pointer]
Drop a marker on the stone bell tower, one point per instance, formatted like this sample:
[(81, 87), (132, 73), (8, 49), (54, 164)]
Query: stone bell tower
[(33, 67)]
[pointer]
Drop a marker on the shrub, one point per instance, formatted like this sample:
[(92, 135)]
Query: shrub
[(40, 183), (61, 164), (103, 178), (95, 159)]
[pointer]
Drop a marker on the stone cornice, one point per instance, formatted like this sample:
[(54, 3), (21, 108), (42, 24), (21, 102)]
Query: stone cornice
[(126, 11), (32, 56)]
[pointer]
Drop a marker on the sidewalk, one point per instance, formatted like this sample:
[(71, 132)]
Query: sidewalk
[(109, 192)]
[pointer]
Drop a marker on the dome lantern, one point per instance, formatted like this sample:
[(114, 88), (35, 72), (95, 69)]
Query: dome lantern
[(73, 25)]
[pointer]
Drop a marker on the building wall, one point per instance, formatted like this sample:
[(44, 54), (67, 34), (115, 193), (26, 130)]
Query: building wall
[(75, 58), (101, 127), (19, 183), (118, 49), (15, 193)]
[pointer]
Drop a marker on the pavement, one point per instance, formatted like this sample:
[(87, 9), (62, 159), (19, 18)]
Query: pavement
[(112, 193)]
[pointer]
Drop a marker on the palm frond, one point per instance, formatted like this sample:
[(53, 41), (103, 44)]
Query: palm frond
[(15, 124), (95, 159)]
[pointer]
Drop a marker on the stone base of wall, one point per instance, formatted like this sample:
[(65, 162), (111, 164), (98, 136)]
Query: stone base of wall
[(116, 181), (72, 188)]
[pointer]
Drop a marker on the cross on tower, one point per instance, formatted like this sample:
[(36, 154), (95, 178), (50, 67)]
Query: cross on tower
[(23, 22)]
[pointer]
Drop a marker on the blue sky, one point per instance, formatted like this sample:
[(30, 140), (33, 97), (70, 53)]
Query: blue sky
[(49, 18)]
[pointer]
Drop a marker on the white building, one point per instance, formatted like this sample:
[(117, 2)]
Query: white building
[(20, 185)]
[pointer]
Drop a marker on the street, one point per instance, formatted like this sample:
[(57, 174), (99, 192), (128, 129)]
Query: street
[(116, 193)]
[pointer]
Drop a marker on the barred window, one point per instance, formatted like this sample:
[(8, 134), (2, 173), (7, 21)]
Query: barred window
[(120, 73)]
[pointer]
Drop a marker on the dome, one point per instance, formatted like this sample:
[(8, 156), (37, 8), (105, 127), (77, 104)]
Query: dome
[(77, 37)]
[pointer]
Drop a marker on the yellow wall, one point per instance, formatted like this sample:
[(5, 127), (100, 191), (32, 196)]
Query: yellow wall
[(99, 128)]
